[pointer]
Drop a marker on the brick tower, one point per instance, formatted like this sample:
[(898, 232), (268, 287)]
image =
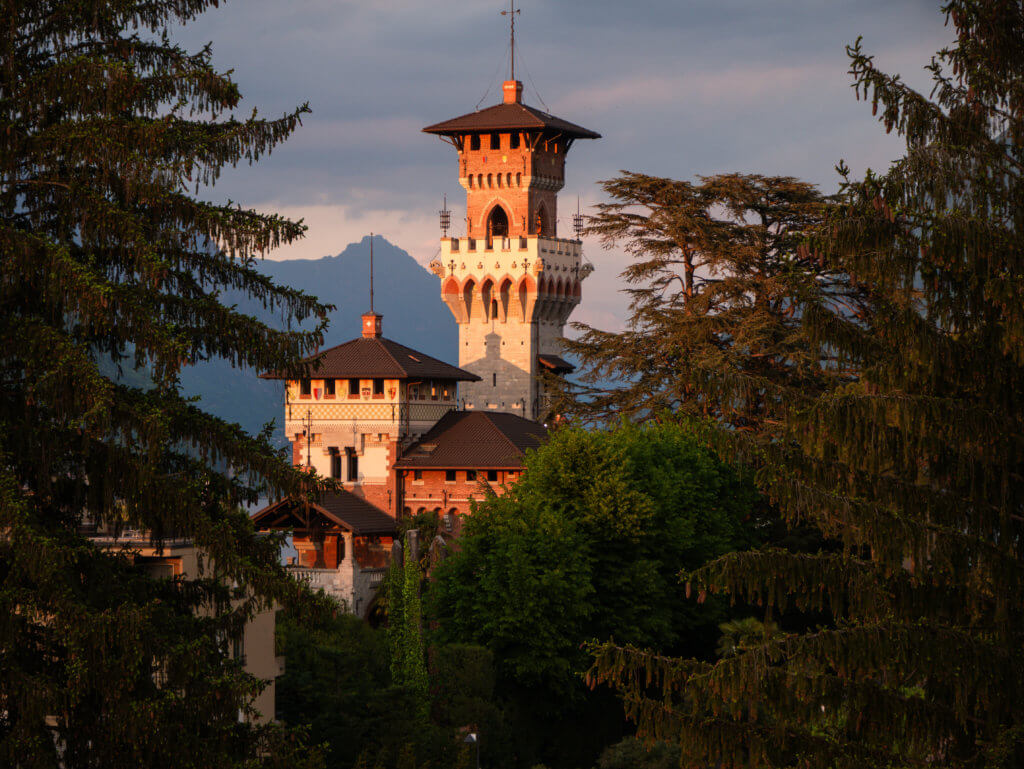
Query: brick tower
[(511, 282)]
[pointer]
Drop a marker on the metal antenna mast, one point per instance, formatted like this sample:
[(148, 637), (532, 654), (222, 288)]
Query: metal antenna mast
[(512, 12), (307, 432), (371, 272)]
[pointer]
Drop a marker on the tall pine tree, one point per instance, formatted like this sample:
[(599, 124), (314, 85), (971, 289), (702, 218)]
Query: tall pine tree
[(914, 460), (716, 286), (107, 261)]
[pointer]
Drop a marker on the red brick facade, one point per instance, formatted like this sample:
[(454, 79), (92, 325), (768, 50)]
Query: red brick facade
[(433, 493), (522, 180)]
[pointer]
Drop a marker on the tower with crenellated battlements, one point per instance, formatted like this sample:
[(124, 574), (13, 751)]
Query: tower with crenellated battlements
[(511, 282)]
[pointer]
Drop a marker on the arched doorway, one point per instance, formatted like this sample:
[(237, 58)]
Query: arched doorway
[(497, 224)]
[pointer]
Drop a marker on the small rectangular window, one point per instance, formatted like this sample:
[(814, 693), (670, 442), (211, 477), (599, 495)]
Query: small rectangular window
[(474, 142), (471, 475), (417, 475), (353, 464), (494, 379), (449, 476), (335, 464), (353, 388), (305, 387), (378, 386), (329, 388), (514, 140), (492, 475)]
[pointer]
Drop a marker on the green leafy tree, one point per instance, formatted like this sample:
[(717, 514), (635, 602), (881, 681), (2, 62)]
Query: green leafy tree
[(588, 544), (107, 261), (337, 683), (915, 462)]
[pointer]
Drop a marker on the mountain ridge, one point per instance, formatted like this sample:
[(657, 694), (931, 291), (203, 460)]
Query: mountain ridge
[(406, 295)]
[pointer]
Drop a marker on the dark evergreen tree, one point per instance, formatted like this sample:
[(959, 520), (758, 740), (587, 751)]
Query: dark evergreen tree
[(716, 287), (915, 461), (107, 261)]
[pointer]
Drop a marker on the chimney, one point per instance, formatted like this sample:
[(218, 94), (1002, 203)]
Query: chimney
[(513, 91), (371, 325)]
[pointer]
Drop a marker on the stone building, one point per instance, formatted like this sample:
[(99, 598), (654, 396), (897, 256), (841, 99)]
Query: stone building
[(361, 403), (404, 433), (511, 282), (178, 557), (466, 455)]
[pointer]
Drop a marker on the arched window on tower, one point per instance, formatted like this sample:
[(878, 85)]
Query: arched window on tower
[(485, 294), (519, 180), (541, 220), (467, 298), (504, 292), (490, 180), (497, 224)]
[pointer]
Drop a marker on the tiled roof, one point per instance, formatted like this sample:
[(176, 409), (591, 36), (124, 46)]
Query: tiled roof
[(475, 440), (509, 116), (342, 509), (379, 357), (556, 364)]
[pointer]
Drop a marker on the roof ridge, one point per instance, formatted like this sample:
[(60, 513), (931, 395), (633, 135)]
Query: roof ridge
[(501, 432), (380, 340)]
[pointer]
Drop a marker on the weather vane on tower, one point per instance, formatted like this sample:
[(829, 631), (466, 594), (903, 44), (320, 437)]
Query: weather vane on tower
[(512, 12)]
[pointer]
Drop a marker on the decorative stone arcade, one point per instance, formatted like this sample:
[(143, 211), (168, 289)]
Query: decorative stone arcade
[(511, 283)]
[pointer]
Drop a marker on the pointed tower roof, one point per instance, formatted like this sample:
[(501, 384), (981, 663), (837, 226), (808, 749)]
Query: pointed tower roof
[(509, 115), (373, 355)]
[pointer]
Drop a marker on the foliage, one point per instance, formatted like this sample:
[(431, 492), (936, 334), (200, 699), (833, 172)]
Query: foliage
[(587, 545), (414, 664), (337, 683), (716, 289), (405, 627), (462, 684), (107, 261), (913, 458), (632, 753), (741, 634)]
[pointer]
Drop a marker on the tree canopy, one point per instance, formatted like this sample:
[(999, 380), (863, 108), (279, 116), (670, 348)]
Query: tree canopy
[(716, 288), (912, 458), (588, 544), (109, 260)]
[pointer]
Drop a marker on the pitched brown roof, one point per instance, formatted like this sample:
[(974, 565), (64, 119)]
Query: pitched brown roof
[(556, 364), (342, 510), (503, 117), (475, 440), (378, 357)]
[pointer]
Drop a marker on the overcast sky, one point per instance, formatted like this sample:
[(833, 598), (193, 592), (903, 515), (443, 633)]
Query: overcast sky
[(676, 88)]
